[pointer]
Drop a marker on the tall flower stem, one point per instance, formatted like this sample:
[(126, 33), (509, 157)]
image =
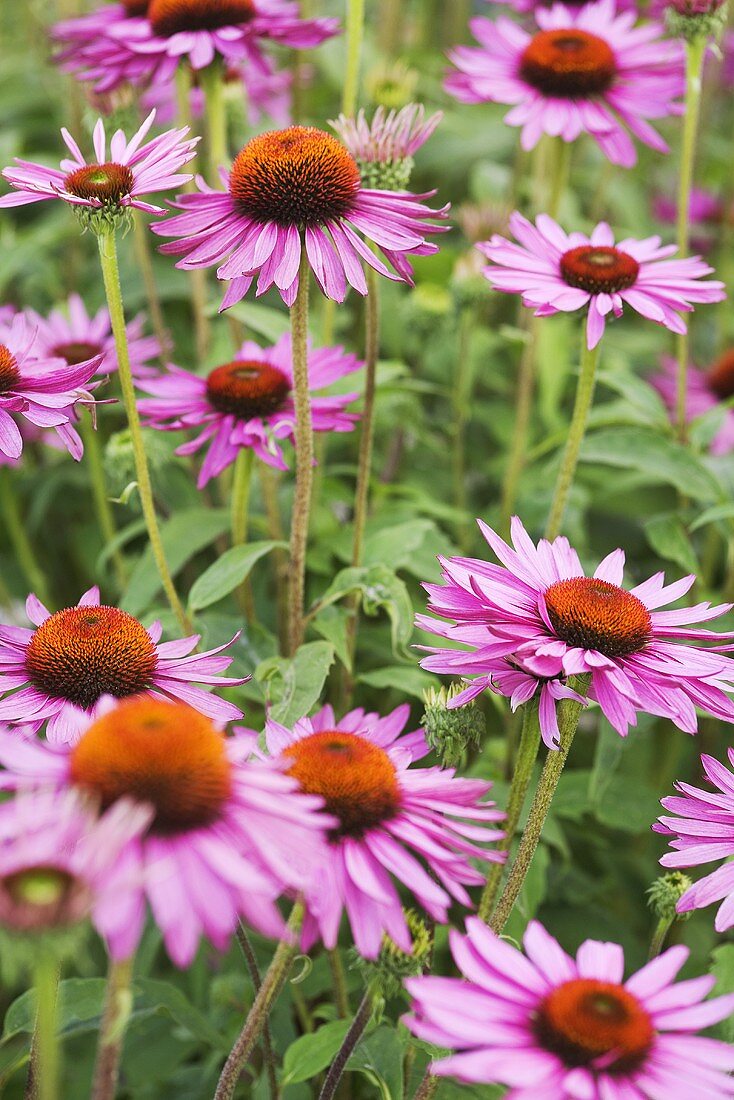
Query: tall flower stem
[(43, 1079), (427, 1088), (111, 275), (660, 935), (118, 1005), (524, 762), (240, 493), (269, 490), (141, 244), (21, 544), (357, 1029), (304, 459), (355, 37), (266, 996), (216, 121), (102, 506), (577, 428), (569, 712), (695, 53), (267, 1040), (339, 982), (462, 409), (197, 275)]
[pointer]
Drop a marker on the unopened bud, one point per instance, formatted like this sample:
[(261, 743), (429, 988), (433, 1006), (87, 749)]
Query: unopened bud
[(451, 733), (665, 893)]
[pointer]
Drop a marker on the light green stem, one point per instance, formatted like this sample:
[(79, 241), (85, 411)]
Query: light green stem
[(524, 762), (102, 505), (111, 276), (241, 486), (197, 275), (24, 552), (117, 1009), (569, 712), (569, 462), (216, 121), (45, 1058), (266, 996), (304, 458), (461, 399), (339, 982), (355, 35), (695, 52), (660, 935)]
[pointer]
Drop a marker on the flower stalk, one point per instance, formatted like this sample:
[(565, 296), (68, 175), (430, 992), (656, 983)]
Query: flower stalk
[(355, 36), (255, 977), (102, 506), (216, 121), (304, 459), (117, 1009), (357, 1029), (197, 276), (44, 1076), (24, 552)]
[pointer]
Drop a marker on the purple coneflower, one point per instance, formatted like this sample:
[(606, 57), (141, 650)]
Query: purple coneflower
[(384, 147), (59, 671), (92, 53), (563, 272), (247, 402), (586, 70), (226, 837), (417, 825), (538, 613), (706, 390), (552, 1027), (289, 190)]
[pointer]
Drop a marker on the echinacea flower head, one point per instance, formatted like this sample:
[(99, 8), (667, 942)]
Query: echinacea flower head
[(109, 185), (702, 825), (583, 70), (39, 388), (294, 189), (552, 1027), (539, 615), (90, 49), (384, 148), (395, 822), (75, 336), (226, 838), (706, 390), (59, 865), (555, 271), (247, 403), (59, 671)]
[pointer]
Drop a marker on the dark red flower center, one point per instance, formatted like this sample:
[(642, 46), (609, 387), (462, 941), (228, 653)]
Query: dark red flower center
[(720, 377), (9, 373), (76, 351), (594, 614), (569, 63), (585, 1019), (599, 269), (36, 899), (135, 7), (162, 753), (109, 183), (169, 17), (300, 176), (82, 653), (356, 778), (245, 389)]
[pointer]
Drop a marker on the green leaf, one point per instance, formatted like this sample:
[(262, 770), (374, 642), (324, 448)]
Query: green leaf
[(713, 515), (331, 623), (298, 681), (228, 573), (380, 589), (267, 322), (79, 1008), (409, 681), (380, 1056), (312, 1053), (723, 970), (184, 535), (395, 546), (636, 393), (659, 459), (668, 538)]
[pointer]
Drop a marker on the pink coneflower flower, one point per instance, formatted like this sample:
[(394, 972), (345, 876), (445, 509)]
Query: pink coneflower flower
[(588, 69), (59, 671), (59, 860), (76, 337), (198, 32), (388, 814), (704, 832), (706, 389), (92, 53), (247, 403), (134, 170), (227, 836), (290, 189), (563, 272), (539, 611), (41, 389), (553, 1027), (524, 6)]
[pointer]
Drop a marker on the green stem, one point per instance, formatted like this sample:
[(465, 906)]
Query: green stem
[(357, 1029), (141, 244), (117, 1009), (695, 52), (660, 935), (111, 276), (427, 1088), (339, 982), (266, 996), (304, 458), (43, 1079), (521, 427), (569, 712), (569, 462), (241, 485), (21, 544), (462, 391), (560, 174), (525, 761), (355, 35), (267, 1040), (197, 275), (102, 505), (216, 121)]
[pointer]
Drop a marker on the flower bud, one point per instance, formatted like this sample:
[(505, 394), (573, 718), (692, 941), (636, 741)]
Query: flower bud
[(666, 892), (451, 732), (388, 971)]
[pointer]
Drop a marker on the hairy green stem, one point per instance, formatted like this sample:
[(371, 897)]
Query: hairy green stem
[(660, 935), (117, 1009), (427, 1088), (266, 996), (339, 982), (111, 276), (212, 83), (102, 505), (21, 544), (577, 428), (304, 458), (267, 1040), (356, 1031), (43, 1074), (197, 275), (355, 36), (240, 493)]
